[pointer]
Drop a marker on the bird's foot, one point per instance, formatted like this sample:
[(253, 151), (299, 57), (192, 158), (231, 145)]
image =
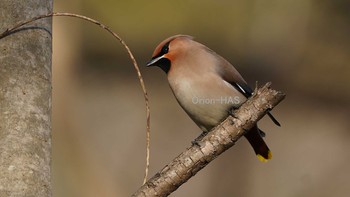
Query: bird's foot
[(231, 112), (199, 138)]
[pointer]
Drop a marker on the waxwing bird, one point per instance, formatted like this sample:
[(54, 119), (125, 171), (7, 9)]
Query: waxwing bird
[(206, 85)]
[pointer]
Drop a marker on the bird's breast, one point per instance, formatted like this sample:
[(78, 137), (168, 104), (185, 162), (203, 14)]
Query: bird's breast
[(206, 99)]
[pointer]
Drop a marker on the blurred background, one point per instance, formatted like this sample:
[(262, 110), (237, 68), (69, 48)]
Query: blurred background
[(301, 46)]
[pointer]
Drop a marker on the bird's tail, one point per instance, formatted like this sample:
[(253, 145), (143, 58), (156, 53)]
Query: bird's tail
[(257, 142)]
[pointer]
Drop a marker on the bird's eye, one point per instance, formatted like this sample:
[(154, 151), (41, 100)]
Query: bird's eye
[(165, 49)]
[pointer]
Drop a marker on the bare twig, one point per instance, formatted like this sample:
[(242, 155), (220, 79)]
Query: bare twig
[(221, 138), (148, 115)]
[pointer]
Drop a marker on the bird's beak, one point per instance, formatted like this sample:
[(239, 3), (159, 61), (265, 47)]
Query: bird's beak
[(154, 61)]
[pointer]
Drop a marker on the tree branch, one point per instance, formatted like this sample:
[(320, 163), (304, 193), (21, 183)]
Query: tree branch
[(221, 138)]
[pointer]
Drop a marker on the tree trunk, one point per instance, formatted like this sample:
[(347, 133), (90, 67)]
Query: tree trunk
[(25, 100)]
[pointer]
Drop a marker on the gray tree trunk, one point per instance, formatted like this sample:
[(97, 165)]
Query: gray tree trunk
[(25, 100)]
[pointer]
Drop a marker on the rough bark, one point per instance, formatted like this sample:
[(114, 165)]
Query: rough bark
[(25, 100), (221, 138)]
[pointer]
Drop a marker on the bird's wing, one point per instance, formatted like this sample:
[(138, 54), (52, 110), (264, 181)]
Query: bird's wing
[(247, 92), (232, 76)]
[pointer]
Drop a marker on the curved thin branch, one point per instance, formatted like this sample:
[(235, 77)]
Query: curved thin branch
[(148, 114), (221, 138)]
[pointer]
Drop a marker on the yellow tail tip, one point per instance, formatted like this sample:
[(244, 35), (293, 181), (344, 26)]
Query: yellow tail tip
[(263, 159)]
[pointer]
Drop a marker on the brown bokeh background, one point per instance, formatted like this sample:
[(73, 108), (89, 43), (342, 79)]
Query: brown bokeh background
[(302, 46)]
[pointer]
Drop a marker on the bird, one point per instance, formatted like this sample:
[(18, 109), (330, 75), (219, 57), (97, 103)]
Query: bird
[(206, 86)]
